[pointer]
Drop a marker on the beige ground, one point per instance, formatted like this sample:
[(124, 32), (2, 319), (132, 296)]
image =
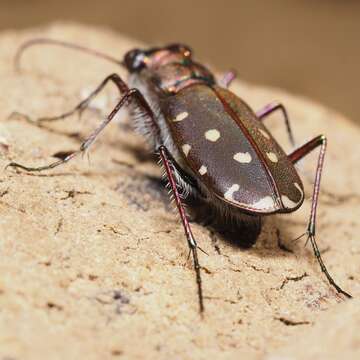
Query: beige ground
[(93, 265)]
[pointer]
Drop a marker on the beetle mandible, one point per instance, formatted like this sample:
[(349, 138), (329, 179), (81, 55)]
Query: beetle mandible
[(214, 148)]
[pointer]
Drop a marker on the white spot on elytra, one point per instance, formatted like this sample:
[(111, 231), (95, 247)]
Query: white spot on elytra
[(241, 157), (229, 193), (287, 202), (266, 202), (272, 157), (186, 149), (181, 116), (212, 135), (264, 133), (203, 170)]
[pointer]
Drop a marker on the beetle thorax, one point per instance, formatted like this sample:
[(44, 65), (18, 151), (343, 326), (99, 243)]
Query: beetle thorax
[(173, 77)]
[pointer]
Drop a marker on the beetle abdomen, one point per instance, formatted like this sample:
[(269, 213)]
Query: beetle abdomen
[(215, 133)]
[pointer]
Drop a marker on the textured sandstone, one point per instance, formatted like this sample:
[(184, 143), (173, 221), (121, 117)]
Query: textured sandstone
[(94, 265)]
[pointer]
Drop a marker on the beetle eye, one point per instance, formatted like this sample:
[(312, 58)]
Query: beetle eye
[(134, 60)]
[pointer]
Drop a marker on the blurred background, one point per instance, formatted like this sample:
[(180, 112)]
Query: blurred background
[(307, 47)]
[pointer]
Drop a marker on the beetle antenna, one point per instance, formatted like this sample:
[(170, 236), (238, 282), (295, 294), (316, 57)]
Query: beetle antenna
[(43, 41)]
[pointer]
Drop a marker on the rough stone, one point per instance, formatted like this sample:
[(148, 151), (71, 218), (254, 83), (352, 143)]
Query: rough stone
[(94, 265)]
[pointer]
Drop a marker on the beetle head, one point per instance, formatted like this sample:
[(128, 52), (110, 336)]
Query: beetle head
[(137, 59)]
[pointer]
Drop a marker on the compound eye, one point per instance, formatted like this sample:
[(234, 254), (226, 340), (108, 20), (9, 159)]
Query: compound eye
[(134, 60)]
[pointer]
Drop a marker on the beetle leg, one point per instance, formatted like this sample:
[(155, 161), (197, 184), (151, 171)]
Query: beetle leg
[(130, 95), (121, 85), (227, 78), (180, 173), (269, 109), (165, 159), (295, 156)]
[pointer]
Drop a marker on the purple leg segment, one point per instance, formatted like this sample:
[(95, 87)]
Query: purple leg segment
[(165, 158), (228, 78), (295, 156), (269, 109)]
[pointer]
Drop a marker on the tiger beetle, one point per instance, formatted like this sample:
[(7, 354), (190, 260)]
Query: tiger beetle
[(214, 148)]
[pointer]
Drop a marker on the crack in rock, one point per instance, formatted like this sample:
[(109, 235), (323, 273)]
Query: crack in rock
[(254, 267), (289, 322), (72, 193), (293, 278), (59, 226)]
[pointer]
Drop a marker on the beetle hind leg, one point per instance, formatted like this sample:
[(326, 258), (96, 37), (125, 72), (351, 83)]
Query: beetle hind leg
[(169, 165), (295, 156)]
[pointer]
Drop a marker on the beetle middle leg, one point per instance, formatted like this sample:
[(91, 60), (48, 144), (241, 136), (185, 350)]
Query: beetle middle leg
[(167, 162), (269, 109), (131, 94), (295, 156)]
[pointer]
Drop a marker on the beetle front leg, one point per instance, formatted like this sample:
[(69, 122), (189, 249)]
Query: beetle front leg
[(132, 94), (115, 78), (167, 162), (269, 109), (295, 156)]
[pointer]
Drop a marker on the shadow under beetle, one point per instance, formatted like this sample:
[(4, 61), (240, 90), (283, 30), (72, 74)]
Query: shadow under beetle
[(212, 145)]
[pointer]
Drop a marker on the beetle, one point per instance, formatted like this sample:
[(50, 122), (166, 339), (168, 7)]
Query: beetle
[(214, 148)]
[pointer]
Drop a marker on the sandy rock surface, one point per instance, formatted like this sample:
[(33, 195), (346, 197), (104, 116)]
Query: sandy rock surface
[(94, 264)]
